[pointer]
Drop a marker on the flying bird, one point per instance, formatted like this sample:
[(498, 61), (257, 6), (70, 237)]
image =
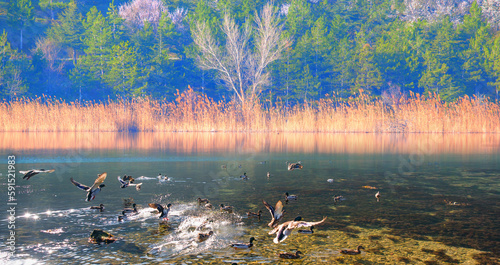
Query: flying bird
[(124, 183), (310, 231), (292, 166), (94, 189), (286, 228), (163, 211), (129, 178), (277, 212), (30, 173)]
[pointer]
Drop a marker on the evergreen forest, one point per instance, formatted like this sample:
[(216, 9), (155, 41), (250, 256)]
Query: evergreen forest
[(100, 50)]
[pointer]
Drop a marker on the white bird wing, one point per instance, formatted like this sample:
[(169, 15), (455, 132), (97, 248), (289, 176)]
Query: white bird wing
[(298, 224), (122, 181), (283, 232), (279, 227)]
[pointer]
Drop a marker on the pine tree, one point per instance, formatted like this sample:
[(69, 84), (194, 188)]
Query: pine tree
[(342, 61), (68, 31), (298, 18), (124, 75), (116, 22), (473, 34), (12, 68), (97, 40), (474, 61), (368, 75), (492, 53), (21, 16)]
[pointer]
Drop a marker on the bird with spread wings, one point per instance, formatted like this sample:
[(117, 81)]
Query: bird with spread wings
[(285, 229), (94, 189)]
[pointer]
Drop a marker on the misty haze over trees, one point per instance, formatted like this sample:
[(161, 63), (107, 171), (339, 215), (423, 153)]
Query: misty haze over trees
[(299, 51)]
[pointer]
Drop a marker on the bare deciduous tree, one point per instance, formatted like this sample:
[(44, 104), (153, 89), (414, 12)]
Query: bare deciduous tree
[(491, 10), (15, 84), (50, 50), (241, 66), (138, 11), (456, 9)]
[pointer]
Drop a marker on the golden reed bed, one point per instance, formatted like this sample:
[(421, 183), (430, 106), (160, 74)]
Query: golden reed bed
[(197, 113)]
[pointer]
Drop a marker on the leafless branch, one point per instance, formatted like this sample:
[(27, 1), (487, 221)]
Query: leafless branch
[(242, 70)]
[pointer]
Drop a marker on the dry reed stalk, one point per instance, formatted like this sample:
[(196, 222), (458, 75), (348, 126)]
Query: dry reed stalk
[(192, 111)]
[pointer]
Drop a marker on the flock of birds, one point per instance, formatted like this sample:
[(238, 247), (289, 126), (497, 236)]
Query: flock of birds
[(281, 231)]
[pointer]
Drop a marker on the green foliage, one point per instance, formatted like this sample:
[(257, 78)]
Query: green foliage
[(493, 64), (21, 16), (12, 65), (338, 47), (68, 30), (123, 75), (96, 41), (368, 76)]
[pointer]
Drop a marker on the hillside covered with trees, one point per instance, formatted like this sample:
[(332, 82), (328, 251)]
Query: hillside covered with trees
[(92, 50)]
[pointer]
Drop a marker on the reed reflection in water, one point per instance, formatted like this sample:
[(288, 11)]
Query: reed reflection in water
[(192, 142)]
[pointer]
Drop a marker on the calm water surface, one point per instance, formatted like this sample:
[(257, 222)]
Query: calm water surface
[(440, 197)]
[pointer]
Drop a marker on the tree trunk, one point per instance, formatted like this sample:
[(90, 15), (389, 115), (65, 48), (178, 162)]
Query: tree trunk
[(21, 42)]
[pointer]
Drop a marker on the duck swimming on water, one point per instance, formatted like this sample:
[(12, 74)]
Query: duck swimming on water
[(287, 255), (352, 251), (205, 201), (243, 245), (289, 197), (202, 236), (226, 208), (100, 207)]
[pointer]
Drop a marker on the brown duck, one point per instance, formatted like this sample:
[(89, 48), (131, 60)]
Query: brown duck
[(287, 255), (352, 251)]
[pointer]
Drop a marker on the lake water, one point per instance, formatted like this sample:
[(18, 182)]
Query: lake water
[(440, 197)]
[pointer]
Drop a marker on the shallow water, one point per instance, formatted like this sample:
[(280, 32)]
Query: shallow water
[(439, 197)]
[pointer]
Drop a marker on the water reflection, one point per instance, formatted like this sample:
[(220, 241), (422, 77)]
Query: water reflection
[(192, 142), (439, 196)]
